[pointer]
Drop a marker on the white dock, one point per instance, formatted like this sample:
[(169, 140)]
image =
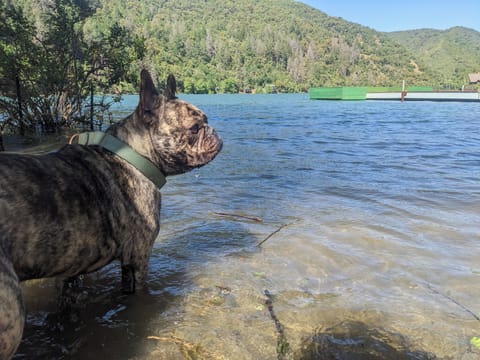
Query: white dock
[(426, 96)]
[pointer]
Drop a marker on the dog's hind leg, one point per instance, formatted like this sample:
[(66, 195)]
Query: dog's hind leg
[(71, 293), (12, 311)]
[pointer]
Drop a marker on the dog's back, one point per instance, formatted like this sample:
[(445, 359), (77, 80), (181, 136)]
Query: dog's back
[(62, 213)]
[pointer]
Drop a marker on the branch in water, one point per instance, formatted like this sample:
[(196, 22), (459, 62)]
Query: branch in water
[(283, 347), (271, 234), (435, 291), (253, 218)]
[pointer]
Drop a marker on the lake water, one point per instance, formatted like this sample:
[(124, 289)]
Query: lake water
[(373, 210)]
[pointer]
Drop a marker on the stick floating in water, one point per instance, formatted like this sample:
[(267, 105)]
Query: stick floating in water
[(435, 291), (253, 218), (271, 234)]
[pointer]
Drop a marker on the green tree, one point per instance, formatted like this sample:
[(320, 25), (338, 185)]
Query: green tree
[(20, 57), (46, 75), (229, 86)]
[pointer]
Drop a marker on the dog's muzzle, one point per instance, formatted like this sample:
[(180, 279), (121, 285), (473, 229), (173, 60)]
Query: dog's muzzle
[(208, 146)]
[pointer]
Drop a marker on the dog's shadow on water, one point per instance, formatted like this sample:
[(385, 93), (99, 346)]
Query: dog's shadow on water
[(94, 319)]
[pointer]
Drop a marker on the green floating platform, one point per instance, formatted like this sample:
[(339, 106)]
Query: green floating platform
[(338, 93)]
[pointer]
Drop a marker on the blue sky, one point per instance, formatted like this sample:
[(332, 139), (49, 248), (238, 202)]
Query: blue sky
[(393, 15)]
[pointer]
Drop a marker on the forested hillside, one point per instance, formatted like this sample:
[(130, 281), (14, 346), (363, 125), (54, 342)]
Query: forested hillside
[(451, 54), (236, 45)]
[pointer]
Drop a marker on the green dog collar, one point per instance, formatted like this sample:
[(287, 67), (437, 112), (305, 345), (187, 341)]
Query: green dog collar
[(118, 147)]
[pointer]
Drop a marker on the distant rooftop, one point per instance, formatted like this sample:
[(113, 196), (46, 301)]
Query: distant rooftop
[(474, 78)]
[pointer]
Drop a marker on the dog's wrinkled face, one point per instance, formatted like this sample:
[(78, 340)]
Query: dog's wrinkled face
[(181, 137)]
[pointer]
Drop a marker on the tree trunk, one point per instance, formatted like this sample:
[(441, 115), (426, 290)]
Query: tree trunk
[(19, 103)]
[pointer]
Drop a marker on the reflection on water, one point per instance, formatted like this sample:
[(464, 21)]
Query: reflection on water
[(354, 340), (376, 256)]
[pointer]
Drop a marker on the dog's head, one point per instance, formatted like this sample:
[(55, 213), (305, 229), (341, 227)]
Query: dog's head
[(179, 132)]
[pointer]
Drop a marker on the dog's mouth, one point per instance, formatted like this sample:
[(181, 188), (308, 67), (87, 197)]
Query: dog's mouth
[(208, 146)]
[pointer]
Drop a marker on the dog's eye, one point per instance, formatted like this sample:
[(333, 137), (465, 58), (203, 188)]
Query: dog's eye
[(195, 129), (194, 113)]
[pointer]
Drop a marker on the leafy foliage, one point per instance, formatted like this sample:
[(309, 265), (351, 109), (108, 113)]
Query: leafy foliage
[(47, 66), (451, 54)]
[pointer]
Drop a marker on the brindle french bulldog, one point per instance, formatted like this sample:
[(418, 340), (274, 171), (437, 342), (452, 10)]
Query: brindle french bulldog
[(74, 211)]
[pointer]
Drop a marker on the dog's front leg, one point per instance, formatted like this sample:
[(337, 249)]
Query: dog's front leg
[(140, 261), (133, 277), (128, 279), (135, 263)]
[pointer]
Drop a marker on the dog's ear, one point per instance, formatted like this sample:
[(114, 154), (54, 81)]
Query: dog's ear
[(171, 88), (148, 92)]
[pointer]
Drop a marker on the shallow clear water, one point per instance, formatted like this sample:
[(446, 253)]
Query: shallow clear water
[(377, 207)]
